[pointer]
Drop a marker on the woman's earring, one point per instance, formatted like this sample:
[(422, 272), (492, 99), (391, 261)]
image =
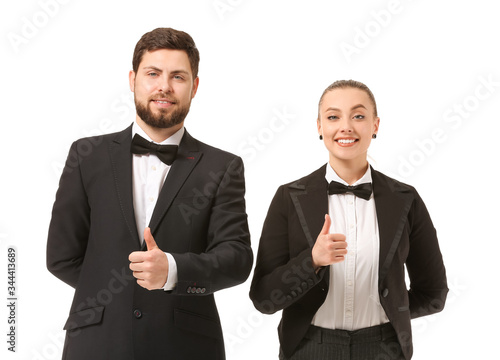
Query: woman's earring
[(374, 136), (321, 137)]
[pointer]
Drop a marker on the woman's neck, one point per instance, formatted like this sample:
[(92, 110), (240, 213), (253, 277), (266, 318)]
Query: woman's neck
[(349, 171)]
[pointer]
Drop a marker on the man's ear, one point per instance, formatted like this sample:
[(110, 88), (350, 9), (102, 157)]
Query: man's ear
[(131, 80), (196, 82)]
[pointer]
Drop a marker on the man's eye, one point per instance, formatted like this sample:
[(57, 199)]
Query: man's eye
[(178, 77), (153, 74)]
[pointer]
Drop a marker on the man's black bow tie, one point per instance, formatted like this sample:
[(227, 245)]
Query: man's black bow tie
[(362, 190), (165, 153)]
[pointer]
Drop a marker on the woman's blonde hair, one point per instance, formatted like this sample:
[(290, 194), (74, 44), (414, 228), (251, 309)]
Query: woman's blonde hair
[(343, 84)]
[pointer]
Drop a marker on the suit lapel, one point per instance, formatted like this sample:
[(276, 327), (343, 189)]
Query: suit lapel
[(392, 202), (188, 156), (310, 199), (121, 162)]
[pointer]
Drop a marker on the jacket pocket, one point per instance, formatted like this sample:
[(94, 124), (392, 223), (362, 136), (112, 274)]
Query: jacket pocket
[(197, 323), (85, 317)]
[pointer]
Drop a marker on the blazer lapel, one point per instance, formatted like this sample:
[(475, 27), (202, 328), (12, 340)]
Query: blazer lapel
[(392, 202), (310, 199), (188, 156), (121, 162)]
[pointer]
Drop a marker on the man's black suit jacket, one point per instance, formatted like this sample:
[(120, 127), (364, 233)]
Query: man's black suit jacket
[(284, 278), (199, 218)]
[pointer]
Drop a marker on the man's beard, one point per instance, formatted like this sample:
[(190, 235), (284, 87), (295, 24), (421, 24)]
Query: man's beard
[(161, 120)]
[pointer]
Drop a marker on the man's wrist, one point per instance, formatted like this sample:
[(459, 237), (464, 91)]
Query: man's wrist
[(172, 274)]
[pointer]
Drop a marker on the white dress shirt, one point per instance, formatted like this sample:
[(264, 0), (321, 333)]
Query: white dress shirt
[(148, 175), (352, 301)]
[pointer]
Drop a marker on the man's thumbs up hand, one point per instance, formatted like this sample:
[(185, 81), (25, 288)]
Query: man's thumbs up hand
[(329, 248), (150, 241), (150, 267)]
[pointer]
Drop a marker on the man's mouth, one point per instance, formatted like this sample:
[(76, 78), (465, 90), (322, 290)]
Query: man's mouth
[(163, 103)]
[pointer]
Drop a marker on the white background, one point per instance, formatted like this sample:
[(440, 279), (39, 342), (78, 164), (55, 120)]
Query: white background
[(64, 75)]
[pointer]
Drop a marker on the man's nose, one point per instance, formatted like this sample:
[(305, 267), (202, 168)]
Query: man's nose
[(165, 85)]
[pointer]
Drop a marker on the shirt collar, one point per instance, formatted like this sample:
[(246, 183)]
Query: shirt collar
[(331, 175), (174, 139)]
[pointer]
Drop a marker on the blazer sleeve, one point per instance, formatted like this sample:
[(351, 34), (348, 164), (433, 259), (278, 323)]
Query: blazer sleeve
[(281, 278), (69, 226), (228, 258), (428, 285)]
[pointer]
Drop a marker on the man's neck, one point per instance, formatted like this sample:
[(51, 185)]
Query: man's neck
[(158, 135)]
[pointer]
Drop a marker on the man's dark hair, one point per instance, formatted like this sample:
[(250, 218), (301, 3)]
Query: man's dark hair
[(167, 38)]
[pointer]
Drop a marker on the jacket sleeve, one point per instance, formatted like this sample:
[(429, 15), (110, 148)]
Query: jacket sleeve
[(228, 258), (281, 279), (428, 285), (69, 226)]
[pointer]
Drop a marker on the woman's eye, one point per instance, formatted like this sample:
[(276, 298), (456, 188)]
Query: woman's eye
[(359, 117), (332, 117)]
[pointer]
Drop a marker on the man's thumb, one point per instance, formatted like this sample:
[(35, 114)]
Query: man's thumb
[(148, 238), (326, 226)]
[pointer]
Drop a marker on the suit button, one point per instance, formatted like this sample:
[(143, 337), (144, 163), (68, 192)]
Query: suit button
[(189, 290), (288, 297), (137, 313), (304, 285), (203, 290), (385, 292), (198, 290), (310, 282)]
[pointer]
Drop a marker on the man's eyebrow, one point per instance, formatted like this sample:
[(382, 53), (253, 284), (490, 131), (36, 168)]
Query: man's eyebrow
[(151, 67)]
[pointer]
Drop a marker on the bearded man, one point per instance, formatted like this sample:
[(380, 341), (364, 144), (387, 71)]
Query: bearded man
[(148, 223)]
